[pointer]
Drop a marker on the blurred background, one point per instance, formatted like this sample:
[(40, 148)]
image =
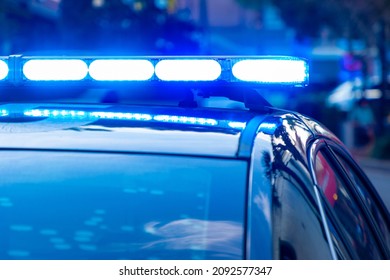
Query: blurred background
[(345, 41)]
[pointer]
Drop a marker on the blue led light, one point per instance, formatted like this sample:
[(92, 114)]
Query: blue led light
[(237, 125), (55, 113), (188, 70), (269, 127), (121, 70), (185, 120), (55, 69), (4, 113), (3, 70), (74, 114), (277, 70), (121, 116)]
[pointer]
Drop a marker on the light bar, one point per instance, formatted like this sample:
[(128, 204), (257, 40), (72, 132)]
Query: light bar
[(271, 71), (188, 70), (121, 70), (55, 69), (257, 70), (3, 70)]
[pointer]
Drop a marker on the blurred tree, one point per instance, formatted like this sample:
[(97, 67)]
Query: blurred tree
[(345, 18), (368, 21)]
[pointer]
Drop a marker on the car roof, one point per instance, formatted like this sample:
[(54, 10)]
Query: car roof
[(124, 128)]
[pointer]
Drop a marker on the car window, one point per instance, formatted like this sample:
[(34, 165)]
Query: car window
[(354, 226), (363, 188), (73, 205)]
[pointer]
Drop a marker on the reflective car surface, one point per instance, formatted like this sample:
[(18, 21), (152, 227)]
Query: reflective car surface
[(123, 181)]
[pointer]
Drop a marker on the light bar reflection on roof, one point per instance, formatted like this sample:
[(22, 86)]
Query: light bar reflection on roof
[(3, 70), (121, 70), (188, 70), (268, 127), (185, 120), (121, 116), (55, 113), (55, 69), (79, 114), (278, 71), (83, 114), (237, 125)]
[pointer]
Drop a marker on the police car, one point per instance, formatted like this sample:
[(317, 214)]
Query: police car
[(117, 180)]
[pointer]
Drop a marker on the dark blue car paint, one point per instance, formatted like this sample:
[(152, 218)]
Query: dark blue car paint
[(268, 154)]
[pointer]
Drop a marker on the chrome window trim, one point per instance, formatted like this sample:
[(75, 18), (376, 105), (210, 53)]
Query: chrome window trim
[(312, 152)]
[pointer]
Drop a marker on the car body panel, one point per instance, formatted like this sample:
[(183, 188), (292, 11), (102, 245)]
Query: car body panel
[(109, 132), (278, 154), (263, 203)]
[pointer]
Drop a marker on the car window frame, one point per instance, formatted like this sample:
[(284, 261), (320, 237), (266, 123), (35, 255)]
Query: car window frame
[(324, 146), (336, 152)]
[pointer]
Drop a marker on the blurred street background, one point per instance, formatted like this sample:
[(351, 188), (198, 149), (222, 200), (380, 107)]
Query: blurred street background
[(345, 41)]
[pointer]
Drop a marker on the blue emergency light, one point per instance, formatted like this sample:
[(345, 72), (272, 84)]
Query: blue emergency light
[(4, 113), (121, 70), (271, 71), (55, 69), (268, 70), (3, 70), (188, 70)]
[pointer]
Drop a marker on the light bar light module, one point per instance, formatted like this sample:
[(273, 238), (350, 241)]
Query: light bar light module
[(271, 71), (55, 69), (267, 70), (3, 70), (121, 70), (188, 70)]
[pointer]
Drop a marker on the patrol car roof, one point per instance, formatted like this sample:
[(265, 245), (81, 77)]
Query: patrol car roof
[(118, 128)]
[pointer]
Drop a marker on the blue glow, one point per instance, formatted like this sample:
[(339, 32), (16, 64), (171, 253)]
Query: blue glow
[(4, 113), (3, 70), (55, 69), (121, 70), (268, 127), (237, 125), (185, 120), (55, 113), (121, 116), (75, 114), (278, 71), (188, 70)]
